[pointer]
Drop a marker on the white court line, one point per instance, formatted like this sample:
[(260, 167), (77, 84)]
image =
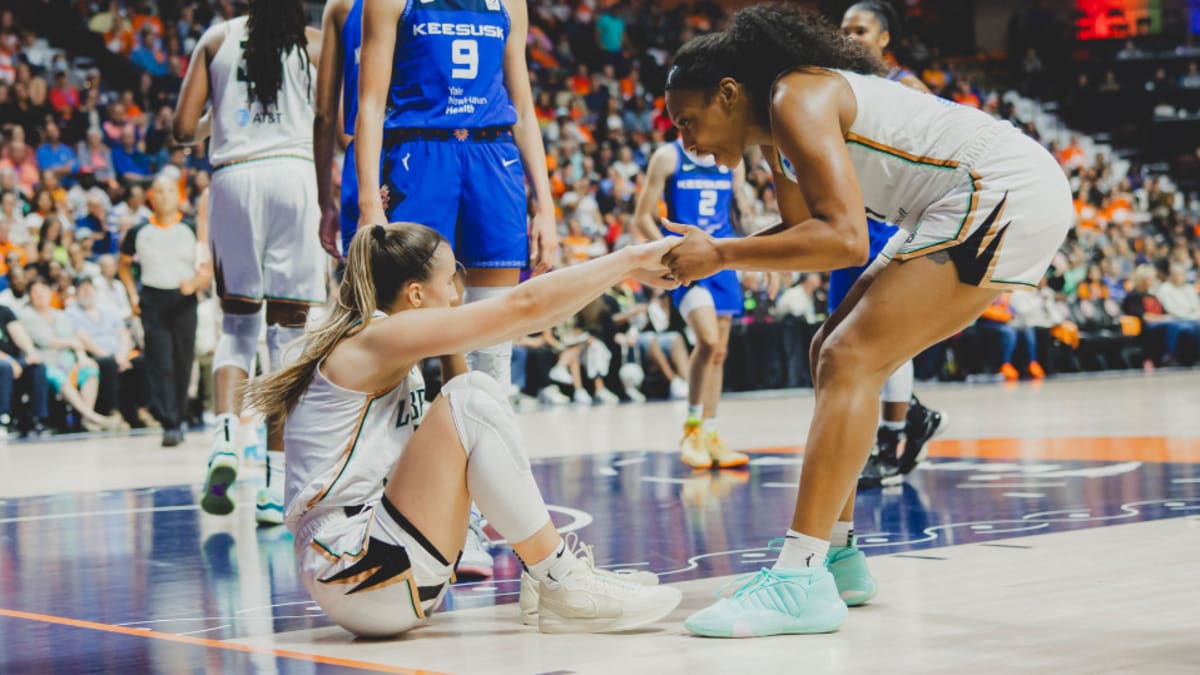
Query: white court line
[(114, 512), (627, 462), (1025, 495), (1185, 480), (1010, 485), (205, 630), (659, 479), (779, 485)]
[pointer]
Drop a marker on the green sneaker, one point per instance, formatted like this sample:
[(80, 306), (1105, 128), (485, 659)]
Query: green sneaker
[(774, 602), (848, 566)]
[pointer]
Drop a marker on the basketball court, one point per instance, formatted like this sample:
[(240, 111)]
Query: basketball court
[(1054, 528)]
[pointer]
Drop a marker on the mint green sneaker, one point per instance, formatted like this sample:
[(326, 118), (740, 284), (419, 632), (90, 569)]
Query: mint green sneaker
[(848, 566), (774, 602)]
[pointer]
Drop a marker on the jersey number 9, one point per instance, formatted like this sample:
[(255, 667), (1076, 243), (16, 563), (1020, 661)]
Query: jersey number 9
[(464, 53)]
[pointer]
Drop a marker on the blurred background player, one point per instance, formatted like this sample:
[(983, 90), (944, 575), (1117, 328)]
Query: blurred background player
[(874, 24), (337, 99), (446, 126), (700, 193), (264, 215)]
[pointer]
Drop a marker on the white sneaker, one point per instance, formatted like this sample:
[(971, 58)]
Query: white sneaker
[(635, 395), (582, 397), (528, 601), (606, 397), (679, 388), (222, 472), (560, 375), (476, 561), (589, 601), (552, 395), (268, 506)]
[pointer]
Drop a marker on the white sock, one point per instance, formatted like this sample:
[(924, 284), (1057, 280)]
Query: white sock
[(843, 533), (695, 411), (226, 428), (801, 551), (710, 425), (276, 471), (894, 426), (555, 566)]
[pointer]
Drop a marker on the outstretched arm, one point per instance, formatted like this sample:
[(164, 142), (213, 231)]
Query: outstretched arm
[(534, 305), (807, 113)]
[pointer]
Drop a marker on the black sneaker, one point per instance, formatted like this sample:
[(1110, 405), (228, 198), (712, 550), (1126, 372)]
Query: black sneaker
[(881, 470), (172, 438), (920, 426)]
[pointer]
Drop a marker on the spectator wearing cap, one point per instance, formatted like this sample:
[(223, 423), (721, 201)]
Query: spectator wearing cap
[(170, 276)]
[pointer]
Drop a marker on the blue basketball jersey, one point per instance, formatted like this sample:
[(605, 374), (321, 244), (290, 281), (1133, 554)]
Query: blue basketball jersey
[(448, 68), (700, 195), (352, 46)]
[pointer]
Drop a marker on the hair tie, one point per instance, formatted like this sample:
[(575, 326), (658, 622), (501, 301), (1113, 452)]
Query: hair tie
[(380, 233)]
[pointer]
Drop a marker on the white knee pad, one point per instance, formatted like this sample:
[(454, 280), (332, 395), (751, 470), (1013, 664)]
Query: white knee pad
[(238, 342), (498, 473), (284, 345), (495, 360), (899, 387)]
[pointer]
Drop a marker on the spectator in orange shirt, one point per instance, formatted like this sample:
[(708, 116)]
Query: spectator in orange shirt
[(964, 95), (1093, 287), (581, 81), (576, 244)]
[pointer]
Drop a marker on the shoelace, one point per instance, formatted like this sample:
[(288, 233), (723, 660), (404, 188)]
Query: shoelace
[(749, 584), (586, 552)]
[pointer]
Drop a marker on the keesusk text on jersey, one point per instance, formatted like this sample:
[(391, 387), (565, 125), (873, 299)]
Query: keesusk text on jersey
[(458, 30)]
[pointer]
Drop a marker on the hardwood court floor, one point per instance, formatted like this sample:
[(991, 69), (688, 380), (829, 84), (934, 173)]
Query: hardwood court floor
[(1055, 528)]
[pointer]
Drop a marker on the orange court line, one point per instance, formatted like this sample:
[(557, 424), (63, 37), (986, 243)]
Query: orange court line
[(212, 644), (1158, 449)]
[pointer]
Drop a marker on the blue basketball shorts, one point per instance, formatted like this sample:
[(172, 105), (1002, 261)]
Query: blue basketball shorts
[(841, 281), (723, 291)]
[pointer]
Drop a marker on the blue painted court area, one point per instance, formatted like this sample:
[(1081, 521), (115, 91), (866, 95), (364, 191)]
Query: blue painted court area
[(148, 559)]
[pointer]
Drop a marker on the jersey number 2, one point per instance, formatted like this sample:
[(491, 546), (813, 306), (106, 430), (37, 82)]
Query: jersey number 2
[(464, 53), (708, 202)]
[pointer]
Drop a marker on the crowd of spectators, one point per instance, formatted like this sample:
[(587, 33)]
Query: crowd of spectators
[(77, 157)]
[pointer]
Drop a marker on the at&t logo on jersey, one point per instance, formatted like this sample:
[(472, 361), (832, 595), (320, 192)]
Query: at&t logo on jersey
[(458, 30), (243, 117)]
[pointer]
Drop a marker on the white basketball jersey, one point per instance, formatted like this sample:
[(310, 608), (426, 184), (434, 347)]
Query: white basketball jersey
[(909, 148), (341, 444), (242, 130)]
